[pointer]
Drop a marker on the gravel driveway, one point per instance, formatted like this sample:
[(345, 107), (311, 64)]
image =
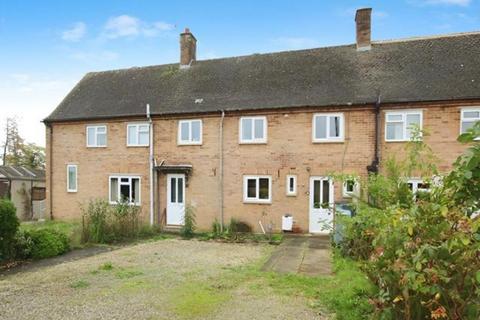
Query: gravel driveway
[(169, 279)]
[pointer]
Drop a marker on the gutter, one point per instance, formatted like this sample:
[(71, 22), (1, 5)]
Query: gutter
[(150, 160), (221, 173)]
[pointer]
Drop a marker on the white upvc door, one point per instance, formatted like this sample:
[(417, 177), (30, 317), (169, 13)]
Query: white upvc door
[(321, 205), (175, 199)]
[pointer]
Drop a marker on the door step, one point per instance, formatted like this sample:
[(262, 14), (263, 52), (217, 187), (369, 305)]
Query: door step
[(172, 228)]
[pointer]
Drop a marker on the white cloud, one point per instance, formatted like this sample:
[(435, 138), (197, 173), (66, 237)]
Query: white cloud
[(75, 33), (294, 43), (128, 26)]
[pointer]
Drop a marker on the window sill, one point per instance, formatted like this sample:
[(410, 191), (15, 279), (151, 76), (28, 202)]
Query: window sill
[(327, 141), (138, 146), (291, 194), (71, 191), (96, 147), (252, 142), (257, 201), (180, 144)]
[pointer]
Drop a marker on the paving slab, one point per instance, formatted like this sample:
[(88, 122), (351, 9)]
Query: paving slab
[(307, 255)]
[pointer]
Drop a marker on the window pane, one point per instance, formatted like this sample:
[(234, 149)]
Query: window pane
[(394, 117), (316, 194), (184, 135), (349, 184), (467, 125), (251, 188), (125, 193), (196, 131), (264, 186), (413, 121), (259, 123), (143, 128), (143, 138), (334, 127), (326, 192), (91, 136), (180, 190), (101, 129), (72, 178), (291, 184), (471, 114), (101, 139), (114, 189), (173, 190), (132, 135), (320, 127), (135, 190), (247, 129), (394, 131)]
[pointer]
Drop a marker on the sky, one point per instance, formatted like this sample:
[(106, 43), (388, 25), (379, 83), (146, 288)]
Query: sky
[(47, 46)]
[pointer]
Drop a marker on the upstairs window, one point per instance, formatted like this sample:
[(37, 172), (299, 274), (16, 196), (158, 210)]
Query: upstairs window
[(138, 135), (96, 136), (468, 118), (253, 130), (291, 185), (125, 189), (327, 127), (399, 125), (257, 189), (72, 178), (190, 132)]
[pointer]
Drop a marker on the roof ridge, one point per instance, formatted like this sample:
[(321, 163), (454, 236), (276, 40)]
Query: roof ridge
[(429, 37)]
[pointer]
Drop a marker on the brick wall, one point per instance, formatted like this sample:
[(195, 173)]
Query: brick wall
[(289, 150)]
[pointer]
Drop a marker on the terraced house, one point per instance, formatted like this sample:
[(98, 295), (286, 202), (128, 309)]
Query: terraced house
[(255, 137)]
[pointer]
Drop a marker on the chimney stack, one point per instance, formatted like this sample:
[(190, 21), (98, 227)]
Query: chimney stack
[(188, 48), (363, 21)]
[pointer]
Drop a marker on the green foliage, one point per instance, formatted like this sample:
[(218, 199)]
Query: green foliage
[(47, 243), (73, 230), (423, 253), (188, 229), (107, 266), (106, 223), (8, 228)]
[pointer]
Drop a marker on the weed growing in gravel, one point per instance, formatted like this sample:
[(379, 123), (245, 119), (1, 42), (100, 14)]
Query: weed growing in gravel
[(79, 284), (107, 266), (127, 273)]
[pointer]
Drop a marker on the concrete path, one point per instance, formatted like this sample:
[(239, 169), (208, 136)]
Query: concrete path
[(307, 255)]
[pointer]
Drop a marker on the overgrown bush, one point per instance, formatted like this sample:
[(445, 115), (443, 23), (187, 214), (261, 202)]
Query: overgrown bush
[(187, 231), (47, 243), (423, 252), (105, 223), (8, 228)]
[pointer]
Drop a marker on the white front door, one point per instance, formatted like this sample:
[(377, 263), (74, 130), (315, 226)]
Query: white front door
[(175, 199), (321, 204)]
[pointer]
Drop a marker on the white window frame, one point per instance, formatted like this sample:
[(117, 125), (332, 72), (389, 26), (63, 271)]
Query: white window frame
[(137, 133), (96, 127), (68, 178), (350, 194), (189, 141), (415, 182), (328, 138), (462, 119), (257, 199), (403, 114), (129, 177), (288, 191), (253, 140)]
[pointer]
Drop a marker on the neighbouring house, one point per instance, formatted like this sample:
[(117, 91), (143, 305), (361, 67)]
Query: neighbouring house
[(26, 188), (256, 137)]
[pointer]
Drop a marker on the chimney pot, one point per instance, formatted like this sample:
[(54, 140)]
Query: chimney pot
[(363, 22), (188, 48)]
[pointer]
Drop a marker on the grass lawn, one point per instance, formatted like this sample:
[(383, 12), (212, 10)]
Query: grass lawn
[(179, 279)]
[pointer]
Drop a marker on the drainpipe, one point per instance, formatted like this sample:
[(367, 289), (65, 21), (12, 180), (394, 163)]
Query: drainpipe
[(373, 167), (221, 172), (150, 160)]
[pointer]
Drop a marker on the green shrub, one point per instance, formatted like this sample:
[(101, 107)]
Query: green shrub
[(94, 221), (188, 229), (423, 255), (8, 228), (124, 222), (47, 243), (23, 245)]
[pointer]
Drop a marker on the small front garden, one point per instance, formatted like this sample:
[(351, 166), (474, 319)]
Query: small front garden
[(421, 250)]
